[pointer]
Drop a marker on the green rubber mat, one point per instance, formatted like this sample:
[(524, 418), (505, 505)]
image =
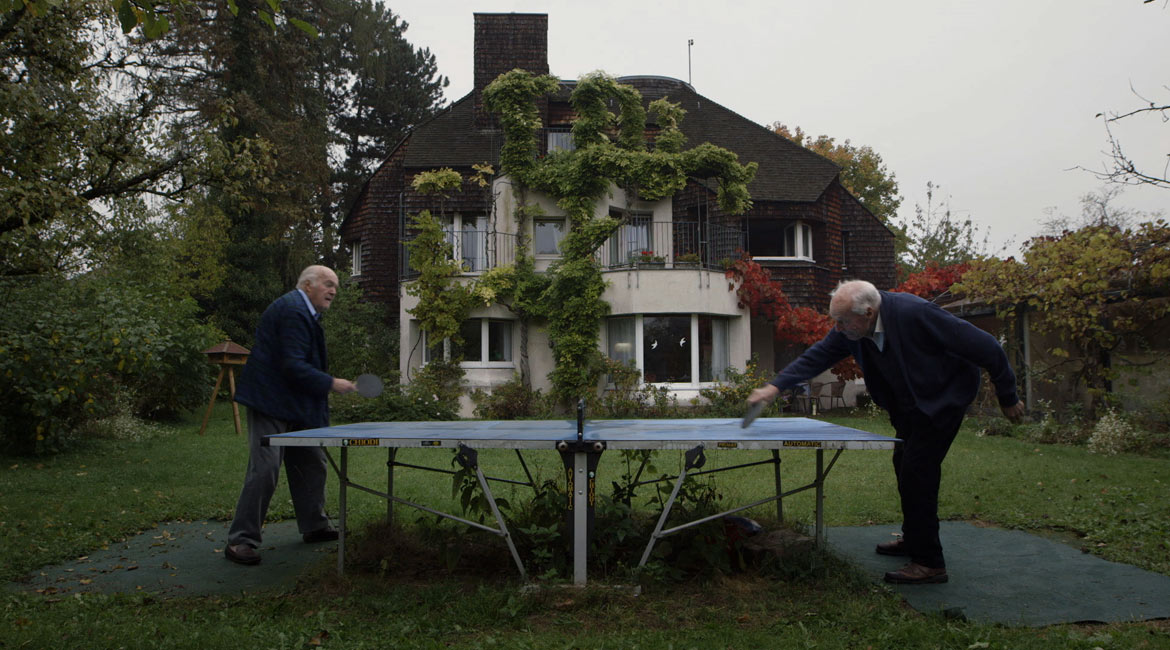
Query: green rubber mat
[(1013, 578), (182, 559)]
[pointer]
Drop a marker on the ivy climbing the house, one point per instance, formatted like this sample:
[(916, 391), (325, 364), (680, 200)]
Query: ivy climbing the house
[(568, 296)]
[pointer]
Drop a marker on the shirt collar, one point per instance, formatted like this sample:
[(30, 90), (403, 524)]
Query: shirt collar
[(879, 333), (309, 304)]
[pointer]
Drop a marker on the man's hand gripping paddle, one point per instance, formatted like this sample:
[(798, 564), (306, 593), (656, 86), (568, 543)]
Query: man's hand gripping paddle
[(753, 412), (368, 385)]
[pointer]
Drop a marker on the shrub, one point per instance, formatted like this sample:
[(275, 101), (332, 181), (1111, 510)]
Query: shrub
[(67, 346), (730, 396), (395, 404), (508, 401), (1113, 434), (358, 337)]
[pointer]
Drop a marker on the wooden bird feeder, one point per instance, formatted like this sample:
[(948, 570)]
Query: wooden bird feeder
[(226, 355)]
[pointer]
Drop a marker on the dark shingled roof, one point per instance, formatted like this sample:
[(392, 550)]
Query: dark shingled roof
[(787, 171)]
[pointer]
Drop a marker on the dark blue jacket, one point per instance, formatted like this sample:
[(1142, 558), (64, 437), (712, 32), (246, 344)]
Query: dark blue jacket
[(286, 375), (938, 354)]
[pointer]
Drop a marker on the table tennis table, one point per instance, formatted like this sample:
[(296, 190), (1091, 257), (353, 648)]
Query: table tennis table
[(581, 445)]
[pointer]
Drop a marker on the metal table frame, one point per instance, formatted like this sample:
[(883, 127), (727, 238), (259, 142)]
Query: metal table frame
[(581, 450)]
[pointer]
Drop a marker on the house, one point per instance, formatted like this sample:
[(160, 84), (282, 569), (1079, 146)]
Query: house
[(670, 308)]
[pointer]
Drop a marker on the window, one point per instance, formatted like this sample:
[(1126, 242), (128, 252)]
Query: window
[(486, 342), (632, 239), (356, 252), (798, 240), (666, 350), (547, 235), (468, 236), (560, 139), (771, 239), (713, 349)]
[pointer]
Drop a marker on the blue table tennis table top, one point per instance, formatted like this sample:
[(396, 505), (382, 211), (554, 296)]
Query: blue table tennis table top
[(719, 433)]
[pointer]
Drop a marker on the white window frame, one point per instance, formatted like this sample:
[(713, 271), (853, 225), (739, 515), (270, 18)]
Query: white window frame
[(560, 235), (639, 348), (802, 243), (458, 226), (484, 343), (356, 258)]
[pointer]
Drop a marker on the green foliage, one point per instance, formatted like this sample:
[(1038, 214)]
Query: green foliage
[(630, 397), (69, 348), (570, 299), (1113, 434), (443, 302), (395, 404), (511, 400), (728, 398), (358, 337), (1092, 313)]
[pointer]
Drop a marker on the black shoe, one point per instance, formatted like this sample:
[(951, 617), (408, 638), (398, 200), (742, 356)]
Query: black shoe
[(320, 535), (895, 547), (241, 554), (917, 574)]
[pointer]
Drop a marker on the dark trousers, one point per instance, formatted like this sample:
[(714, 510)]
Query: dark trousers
[(918, 469), (306, 470)]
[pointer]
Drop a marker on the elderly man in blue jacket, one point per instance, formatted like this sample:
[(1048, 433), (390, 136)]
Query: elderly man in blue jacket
[(922, 365), (286, 386)]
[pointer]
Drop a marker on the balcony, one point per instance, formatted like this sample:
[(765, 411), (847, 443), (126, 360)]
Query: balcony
[(671, 245), (475, 250), (636, 245)]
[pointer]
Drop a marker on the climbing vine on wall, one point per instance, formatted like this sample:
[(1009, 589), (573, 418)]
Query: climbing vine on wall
[(610, 150)]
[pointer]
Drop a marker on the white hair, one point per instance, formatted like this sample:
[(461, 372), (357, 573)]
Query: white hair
[(312, 275), (862, 295)]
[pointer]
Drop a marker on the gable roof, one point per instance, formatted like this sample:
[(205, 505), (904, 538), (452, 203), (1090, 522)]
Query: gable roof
[(787, 171)]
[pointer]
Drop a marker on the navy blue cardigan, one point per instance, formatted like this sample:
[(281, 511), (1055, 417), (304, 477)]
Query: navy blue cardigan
[(286, 375), (938, 353)]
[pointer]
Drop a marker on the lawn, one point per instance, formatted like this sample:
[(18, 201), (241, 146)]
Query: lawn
[(60, 507)]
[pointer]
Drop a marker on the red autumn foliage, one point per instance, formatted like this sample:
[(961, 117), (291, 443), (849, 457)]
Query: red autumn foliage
[(765, 298), (934, 280)]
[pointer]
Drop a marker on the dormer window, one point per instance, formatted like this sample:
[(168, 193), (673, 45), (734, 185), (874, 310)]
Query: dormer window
[(780, 240), (798, 241)]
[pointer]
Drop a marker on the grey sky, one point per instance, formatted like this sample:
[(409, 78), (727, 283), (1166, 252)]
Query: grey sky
[(992, 100)]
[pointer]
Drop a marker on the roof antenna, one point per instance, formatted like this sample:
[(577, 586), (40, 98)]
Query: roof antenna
[(690, 43)]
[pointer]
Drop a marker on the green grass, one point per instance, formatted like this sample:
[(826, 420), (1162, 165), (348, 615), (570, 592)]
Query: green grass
[(57, 508)]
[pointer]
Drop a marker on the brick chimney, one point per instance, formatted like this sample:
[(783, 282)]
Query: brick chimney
[(504, 42)]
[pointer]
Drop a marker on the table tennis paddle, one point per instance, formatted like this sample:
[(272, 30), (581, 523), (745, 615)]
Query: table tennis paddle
[(368, 385), (753, 412)]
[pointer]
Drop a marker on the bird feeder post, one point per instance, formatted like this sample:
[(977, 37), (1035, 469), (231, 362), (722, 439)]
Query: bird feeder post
[(227, 356)]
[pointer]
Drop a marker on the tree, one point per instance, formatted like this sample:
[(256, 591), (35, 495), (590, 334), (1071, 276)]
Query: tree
[(85, 148), (325, 107), (863, 172), (937, 236), (1097, 289)]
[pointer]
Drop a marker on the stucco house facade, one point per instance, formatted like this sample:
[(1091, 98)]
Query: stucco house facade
[(671, 310)]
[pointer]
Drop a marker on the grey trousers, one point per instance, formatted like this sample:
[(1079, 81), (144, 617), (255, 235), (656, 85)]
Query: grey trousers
[(306, 470)]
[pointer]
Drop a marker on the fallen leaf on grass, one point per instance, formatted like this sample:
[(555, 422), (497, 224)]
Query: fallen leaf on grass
[(319, 638)]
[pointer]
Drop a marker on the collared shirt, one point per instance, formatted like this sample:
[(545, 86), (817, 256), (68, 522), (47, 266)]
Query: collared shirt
[(879, 334), (309, 304)]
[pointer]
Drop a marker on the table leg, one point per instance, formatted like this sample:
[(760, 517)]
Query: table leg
[(580, 485), (344, 476), (391, 454), (779, 487), (820, 498)]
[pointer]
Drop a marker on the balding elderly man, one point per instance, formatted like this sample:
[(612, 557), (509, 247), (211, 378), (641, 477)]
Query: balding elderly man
[(922, 365), (285, 386)]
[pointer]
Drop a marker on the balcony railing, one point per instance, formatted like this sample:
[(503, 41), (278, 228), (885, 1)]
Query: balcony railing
[(671, 245), (475, 250), (640, 244)]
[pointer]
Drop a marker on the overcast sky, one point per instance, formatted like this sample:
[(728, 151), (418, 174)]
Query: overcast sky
[(992, 100)]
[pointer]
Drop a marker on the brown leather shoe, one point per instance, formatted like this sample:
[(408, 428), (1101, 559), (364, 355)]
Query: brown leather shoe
[(241, 554), (916, 574), (894, 547)]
